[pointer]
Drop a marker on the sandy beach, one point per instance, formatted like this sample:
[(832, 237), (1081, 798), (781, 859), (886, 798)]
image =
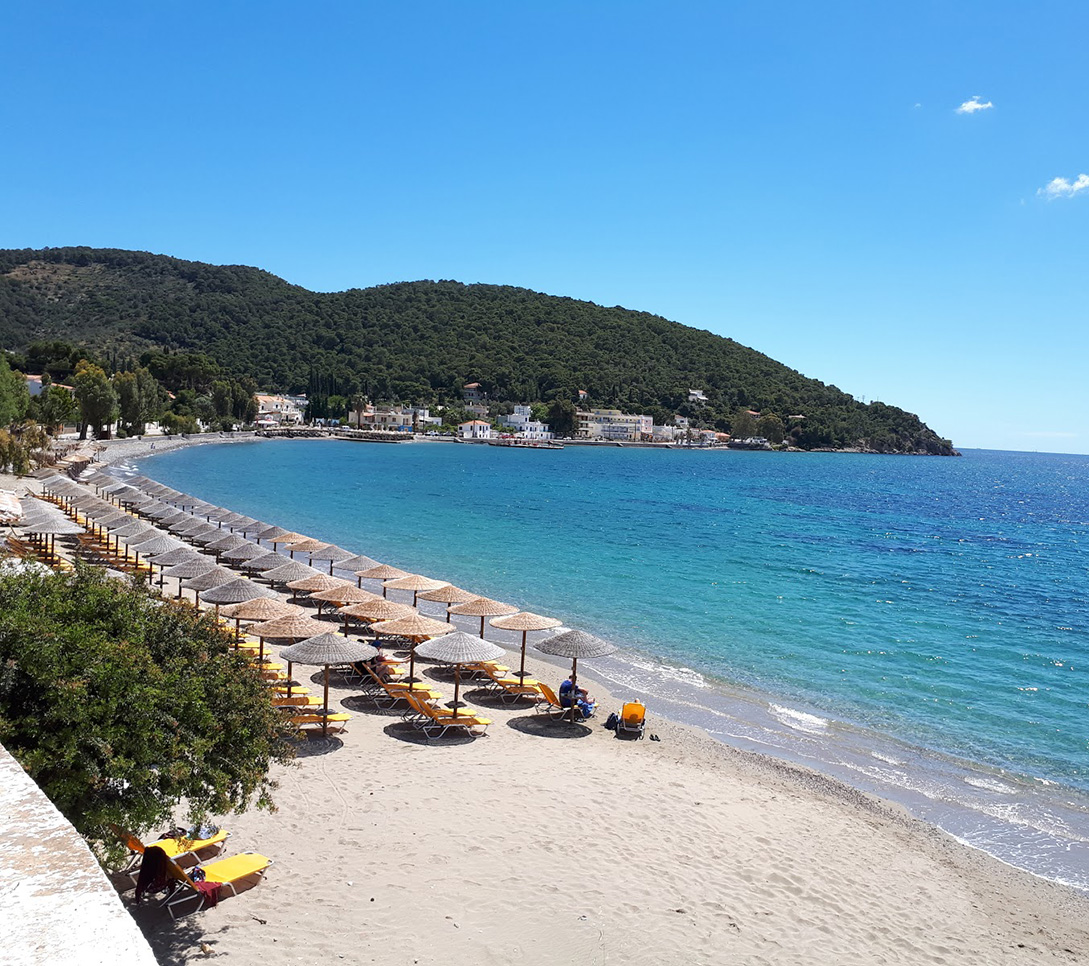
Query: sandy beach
[(545, 842)]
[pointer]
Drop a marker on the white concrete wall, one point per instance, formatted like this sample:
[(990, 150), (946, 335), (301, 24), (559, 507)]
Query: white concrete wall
[(56, 904)]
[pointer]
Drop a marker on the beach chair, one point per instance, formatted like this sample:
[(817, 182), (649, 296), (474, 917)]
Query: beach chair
[(511, 689), (334, 721), (443, 720), (547, 700), (632, 719), (175, 847), (219, 875)]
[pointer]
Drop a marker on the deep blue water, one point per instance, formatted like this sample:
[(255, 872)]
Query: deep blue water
[(916, 625)]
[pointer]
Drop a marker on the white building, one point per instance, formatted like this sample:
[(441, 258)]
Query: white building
[(277, 411), (524, 426), (613, 424), (695, 396), (475, 429)]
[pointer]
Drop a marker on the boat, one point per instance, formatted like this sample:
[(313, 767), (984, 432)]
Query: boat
[(526, 443)]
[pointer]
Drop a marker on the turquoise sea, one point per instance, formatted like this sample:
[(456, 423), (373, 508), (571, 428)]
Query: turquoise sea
[(916, 626)]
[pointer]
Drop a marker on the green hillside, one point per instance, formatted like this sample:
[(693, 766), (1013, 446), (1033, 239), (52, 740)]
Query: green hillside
[(422, 341)]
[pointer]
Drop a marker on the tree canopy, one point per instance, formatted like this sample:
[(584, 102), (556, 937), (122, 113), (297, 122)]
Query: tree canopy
[(417, 341), (121, 705)]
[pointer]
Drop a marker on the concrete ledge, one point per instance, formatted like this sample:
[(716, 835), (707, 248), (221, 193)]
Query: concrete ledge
[(56, 904)]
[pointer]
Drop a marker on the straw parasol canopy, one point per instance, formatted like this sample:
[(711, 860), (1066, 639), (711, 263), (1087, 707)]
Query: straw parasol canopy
[(357, 563), (458, 648), (347, 593), (177, 555), (482, 607), (227, 542), (244, 551), (524, 621), (318, 581), (269, 531), (415, 628), (288, 536), (204, 534), (378, 609), (575, 644), (307, 545), (208, 579), (333, 554), (325, 649), (292, 570), (415, 583), (259, 609), (268, 561), (447, 595), (191, 568), (235, 591), (381, 572)]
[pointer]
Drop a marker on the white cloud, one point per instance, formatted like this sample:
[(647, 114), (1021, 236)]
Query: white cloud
[(1061, 188), (970, 107)]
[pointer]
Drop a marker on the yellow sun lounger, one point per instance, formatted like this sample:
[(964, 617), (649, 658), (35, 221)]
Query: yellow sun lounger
[(226, 874), (182, 847), (632, 719), (428, 719)]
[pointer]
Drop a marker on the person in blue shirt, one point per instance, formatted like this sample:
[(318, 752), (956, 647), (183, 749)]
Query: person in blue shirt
[(571, 693)]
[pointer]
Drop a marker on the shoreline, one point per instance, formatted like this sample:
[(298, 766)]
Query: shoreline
[(964, 799), (590, 849)]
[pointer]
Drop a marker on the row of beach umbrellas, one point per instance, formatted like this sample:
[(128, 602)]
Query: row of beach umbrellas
[(226, 534)]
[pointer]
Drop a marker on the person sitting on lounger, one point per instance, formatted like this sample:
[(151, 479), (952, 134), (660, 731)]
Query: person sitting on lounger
[(571, 693)]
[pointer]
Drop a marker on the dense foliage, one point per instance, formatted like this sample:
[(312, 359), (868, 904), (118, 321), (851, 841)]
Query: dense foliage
[(422, 341), (121, 705)]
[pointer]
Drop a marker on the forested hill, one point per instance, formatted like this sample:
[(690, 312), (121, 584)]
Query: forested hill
[(423, 341)]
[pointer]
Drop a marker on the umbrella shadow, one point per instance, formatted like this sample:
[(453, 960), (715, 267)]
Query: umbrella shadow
[(491, 698), (404, 731), (311, 744), (545, 726), (368, 704)]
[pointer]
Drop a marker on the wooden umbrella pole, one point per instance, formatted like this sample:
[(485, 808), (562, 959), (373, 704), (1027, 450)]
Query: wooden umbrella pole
[(325, 706), (522, 667), (574, 688), (457, 687)]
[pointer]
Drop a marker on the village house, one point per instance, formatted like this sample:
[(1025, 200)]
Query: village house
[(524, 426), (273, 411), (475, 429)]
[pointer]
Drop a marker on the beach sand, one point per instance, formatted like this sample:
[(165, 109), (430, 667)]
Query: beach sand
[(547, 843)]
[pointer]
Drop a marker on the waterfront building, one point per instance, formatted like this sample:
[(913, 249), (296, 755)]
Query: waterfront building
[(277, 411), (475, 429), (524, 426), (613, 424)]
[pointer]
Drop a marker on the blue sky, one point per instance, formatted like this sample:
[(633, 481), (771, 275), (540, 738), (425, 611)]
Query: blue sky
[(796, 176)]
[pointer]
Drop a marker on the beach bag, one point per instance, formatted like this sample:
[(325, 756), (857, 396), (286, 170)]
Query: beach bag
[(612, 721)]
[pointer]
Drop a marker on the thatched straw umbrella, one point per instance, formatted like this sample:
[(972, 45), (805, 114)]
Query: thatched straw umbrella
[(413, 582), (244, 551), (447, 595), (524, 621), (192, 568), (259, 609), (318, 581), (347, 593), (458, 648), (379, 609), (416, 628), (325, 649), (267, 561), (575, 644), (482, 607), (357, 563), (292, 570), (333, 554), (289, 536), (227, 542), (268, 532), (381, 572), (293, 628), (306, 545), (235, 592), (208, 579)]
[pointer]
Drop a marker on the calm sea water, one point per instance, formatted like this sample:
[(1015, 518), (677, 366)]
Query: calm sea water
[(918, 627)]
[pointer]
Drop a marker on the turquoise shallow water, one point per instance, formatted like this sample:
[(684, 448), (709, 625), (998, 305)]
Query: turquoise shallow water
[(917, 626)]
